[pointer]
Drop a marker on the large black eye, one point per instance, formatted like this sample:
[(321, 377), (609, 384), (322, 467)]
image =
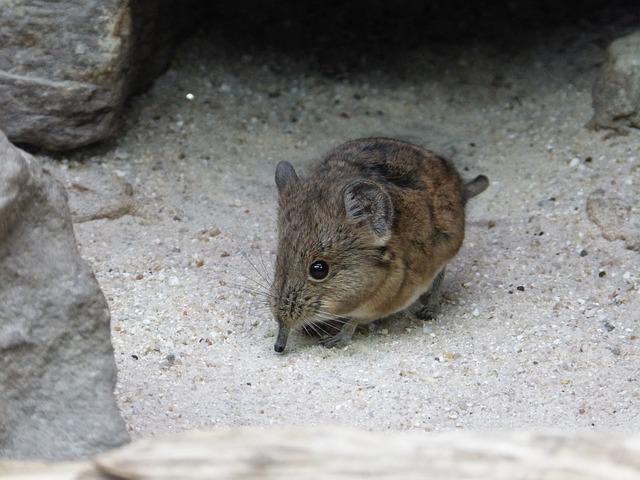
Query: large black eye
[(319, 270)]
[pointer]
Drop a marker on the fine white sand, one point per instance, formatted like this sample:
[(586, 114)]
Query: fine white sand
[(531, 334)]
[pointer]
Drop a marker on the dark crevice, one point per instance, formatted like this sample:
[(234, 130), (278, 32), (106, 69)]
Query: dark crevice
[(339, 36)]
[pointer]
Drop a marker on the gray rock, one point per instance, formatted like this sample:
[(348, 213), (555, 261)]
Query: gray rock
[(616, 91), (66, 67), (57, 371), (617, 216)]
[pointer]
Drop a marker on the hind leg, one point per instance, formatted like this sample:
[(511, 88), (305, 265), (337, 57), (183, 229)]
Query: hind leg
[(431, 299)]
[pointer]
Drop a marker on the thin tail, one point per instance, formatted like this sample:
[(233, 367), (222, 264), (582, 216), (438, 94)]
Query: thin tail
[(475, 186)]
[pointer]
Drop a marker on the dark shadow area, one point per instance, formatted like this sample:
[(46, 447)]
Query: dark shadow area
[(337, 37), (156, 27), (349, 40)]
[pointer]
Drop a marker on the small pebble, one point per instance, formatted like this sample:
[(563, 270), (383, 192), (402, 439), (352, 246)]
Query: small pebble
[(584, 253), (121, 154), (168, 360), (475, 312), (520, 288), (190, 96)]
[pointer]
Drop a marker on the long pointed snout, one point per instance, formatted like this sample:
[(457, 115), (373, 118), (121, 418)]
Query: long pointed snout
[(281, 341)]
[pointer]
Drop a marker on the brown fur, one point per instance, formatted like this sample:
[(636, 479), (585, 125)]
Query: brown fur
[(371, 275)]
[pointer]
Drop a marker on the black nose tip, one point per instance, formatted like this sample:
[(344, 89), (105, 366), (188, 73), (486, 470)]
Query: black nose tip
[(278, 348)]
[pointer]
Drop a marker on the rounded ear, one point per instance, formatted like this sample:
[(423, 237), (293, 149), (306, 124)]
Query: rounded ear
[(367, 201), (285, 174)]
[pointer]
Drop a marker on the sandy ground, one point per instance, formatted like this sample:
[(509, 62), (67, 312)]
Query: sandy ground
[(531, 335)]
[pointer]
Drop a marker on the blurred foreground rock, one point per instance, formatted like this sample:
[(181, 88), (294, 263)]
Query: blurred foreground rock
[(333, 453), (66, 67), (616, 92), (57, 371)]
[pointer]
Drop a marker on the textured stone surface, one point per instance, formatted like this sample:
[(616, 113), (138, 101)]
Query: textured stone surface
[(57, 371), (62, 70), (66, 67), (331, 453), (616, 91)]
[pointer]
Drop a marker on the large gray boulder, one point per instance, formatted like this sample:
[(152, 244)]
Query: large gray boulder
[(616, 91), (57, 371), (66, 67)]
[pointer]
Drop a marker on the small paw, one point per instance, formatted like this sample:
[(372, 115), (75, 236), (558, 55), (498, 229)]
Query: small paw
[(338, 341), (427, 313)]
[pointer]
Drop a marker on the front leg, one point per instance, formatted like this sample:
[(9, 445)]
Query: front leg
[(431, 299), (342, 338)]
